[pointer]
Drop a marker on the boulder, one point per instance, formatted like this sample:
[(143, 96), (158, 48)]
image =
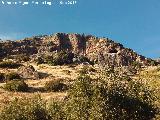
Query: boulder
[(28, 72)]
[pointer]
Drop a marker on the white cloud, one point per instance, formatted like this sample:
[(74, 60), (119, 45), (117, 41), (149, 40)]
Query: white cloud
[(12, 36)]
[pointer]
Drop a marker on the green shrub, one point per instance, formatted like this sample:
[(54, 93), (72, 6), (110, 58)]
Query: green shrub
[(84, 59), (9, 64), (39, 60), (158, 69), (56, 61), (60, 58), (110, 97), (83, 71), (26, 109), (55, 110), (136, 65), (23, 57), (68, 72), (48, 59), (126, 99), (16, 86), (91, 69), (2, 77), (78, 105), (98, 109), (153, 63), (33, 109), (55, 86), (12, 76)]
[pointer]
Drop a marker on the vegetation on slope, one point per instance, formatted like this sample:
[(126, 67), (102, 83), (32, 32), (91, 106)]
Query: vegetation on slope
[(111, 96)]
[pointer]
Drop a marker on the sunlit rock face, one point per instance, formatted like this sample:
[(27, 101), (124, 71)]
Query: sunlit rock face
[(100, 50)]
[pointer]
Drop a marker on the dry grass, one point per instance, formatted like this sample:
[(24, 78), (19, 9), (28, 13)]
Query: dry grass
[(54, 73), (6, 97), (151, 75)]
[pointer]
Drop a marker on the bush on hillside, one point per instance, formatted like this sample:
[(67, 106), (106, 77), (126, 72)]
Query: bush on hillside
[(25, 109), (23, 58), (83, 71), (110, 97), (55, 86), (136, 65), (68, 72), (153, 63), (60, 58), (32, 109), (16, 86), (86, 69), (9, 64), (78, 105), (82, 59), (91, 69), (39, 60), (127, 99), (12, 76), (55, 110), (2, 77)]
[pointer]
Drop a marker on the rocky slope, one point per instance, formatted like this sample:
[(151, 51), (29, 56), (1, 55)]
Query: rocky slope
[(101, 50)]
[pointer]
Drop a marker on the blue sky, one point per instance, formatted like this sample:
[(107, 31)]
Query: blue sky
[(134, 23)]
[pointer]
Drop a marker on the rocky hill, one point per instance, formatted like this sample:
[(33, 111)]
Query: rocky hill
[(99, 50), (53, 72)]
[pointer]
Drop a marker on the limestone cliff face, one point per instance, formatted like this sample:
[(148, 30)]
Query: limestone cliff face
[(101, 50)]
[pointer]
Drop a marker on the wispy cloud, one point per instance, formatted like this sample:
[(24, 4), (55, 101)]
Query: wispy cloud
[(12, 36)]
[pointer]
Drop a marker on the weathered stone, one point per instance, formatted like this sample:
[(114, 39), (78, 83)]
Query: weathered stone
[(28, 72), (103, 50)]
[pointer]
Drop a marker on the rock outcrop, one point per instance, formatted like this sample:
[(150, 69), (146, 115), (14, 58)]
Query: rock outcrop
[(28, 72), (100, 50)]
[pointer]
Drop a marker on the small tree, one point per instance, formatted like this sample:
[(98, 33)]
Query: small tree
[(78, 104), (98, 104), (127, 99), (55, 109)]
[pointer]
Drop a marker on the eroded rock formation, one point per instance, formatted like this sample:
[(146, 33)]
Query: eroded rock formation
[(101, 50)]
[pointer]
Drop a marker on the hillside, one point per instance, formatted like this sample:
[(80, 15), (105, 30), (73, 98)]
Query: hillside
[(81, 75), (99, 50)]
